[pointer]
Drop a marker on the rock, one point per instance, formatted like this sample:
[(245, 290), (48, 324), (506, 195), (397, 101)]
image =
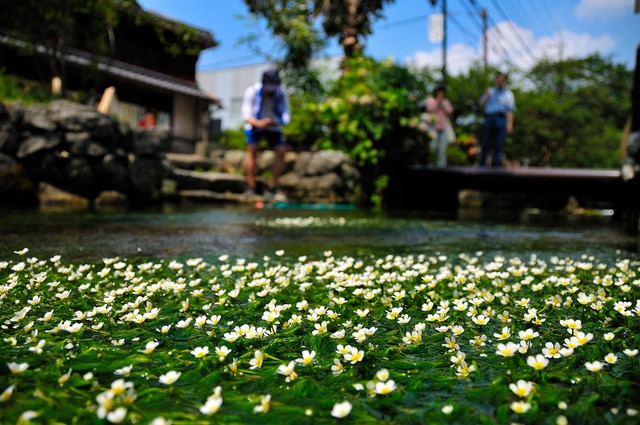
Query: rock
[(211, 181), (151, 142), (8, 137), (84, 154), (15, 186), (37, 143), (321, 162), (147, 174), (36, 117), (50, 195), (76, 117)]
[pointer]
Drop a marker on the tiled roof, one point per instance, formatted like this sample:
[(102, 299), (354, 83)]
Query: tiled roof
[(141, 76)]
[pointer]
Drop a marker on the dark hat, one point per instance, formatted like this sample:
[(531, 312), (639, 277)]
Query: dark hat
[(271, 80)]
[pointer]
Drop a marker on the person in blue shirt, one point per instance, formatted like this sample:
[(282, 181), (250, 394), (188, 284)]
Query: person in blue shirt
[(499, 105), (265, 109)]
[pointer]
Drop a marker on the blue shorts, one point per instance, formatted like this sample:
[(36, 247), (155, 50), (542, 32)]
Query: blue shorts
[(273, 137)]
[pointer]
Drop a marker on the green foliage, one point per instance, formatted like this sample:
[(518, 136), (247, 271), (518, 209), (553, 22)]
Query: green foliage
[(13, 88), (399, 337), (373, 113), (294, 23), (56, 25), (233, 139), (574, 114)]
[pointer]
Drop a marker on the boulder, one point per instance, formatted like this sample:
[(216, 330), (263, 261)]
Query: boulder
[(82, 153), (15, 186)]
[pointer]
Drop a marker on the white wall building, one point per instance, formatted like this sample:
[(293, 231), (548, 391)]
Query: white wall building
[(228, 85)]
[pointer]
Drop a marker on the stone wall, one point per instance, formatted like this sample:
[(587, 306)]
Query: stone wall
[(77, 150)]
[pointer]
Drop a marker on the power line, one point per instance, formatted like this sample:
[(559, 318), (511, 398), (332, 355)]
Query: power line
[(471, 37), (475, 14), (519, 37), (404, 22), (516, 28)]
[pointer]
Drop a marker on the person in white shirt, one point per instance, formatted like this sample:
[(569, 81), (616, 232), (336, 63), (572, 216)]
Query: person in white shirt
[(265, 109), (499, 105)]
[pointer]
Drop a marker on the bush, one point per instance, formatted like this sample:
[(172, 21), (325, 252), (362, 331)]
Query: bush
[(372, 113), (233, 139)]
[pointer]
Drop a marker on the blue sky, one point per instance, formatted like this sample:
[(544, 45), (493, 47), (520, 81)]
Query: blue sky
[(520, 32)]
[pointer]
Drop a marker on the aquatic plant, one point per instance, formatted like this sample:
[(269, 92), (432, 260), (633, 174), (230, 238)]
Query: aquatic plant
[(403, 339)]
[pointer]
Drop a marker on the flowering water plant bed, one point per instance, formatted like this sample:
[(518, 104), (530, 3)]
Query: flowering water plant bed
[(402, 339)]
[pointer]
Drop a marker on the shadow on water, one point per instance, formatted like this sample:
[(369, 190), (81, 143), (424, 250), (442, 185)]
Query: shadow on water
[(174, 231)]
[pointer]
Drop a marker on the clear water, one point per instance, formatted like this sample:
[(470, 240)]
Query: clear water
[(208, 231)]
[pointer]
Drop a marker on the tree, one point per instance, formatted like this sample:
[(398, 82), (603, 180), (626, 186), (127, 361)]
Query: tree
[(574, 114), (54, 25), (350, 20), (294, 23)]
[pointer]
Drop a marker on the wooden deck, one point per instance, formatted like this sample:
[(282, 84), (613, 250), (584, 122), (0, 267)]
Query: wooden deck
[(438, 188)]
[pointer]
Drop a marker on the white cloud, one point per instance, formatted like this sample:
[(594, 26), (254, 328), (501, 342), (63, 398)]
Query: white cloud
[(604, 9), (459, 58), (511, 47)]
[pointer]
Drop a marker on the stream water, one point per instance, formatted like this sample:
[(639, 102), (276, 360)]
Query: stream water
[(208, 231)]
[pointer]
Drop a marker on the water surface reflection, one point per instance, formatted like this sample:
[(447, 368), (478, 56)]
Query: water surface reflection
[(240, 230)]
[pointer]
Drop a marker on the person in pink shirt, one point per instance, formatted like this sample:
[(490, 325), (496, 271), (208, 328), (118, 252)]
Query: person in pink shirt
[(438, 110)]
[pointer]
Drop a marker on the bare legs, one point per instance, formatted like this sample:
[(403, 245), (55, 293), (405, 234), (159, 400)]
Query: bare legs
[(276, 169)]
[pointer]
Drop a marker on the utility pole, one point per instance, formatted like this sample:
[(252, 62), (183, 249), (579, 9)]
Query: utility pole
[(444, 38)]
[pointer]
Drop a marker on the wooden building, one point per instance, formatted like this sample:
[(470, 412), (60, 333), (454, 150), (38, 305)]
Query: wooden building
[(146, 76)]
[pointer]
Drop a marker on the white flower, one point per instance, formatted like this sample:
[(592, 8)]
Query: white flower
[(151, 345), (594, 367), (382, 374), (222, 352), (288, 371), (447, 409), (385, 387), (265, 404), (354, 356), (256, 361), (307, 357), (507, 350), (538, 362), (520, 406), (27, 415), (521, 388), (337, 368), (124, 371), (211, 406), (170, 377), (341, 410), (200, 352), (116, 416), (65, 377), (552, 350), (120, 386), (17, 368), (6, 394)]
